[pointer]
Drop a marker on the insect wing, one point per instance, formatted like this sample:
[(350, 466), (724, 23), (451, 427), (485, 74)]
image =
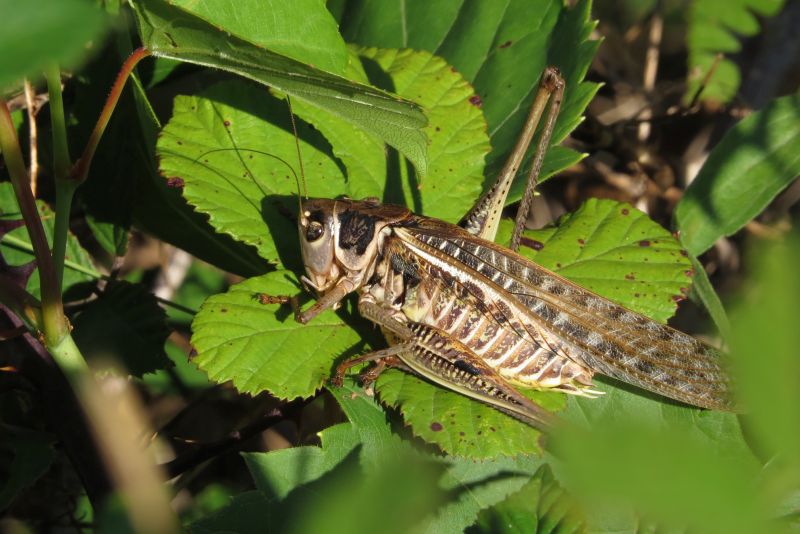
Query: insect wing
[(583, 326)]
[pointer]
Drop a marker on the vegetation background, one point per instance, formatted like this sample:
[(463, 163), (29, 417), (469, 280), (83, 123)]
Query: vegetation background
[(204, 407)]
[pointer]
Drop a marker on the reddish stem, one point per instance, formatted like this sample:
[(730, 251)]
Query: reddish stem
[(51, 295), (81, 169)]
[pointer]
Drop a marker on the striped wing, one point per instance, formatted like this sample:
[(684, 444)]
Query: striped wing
[(579, 324)]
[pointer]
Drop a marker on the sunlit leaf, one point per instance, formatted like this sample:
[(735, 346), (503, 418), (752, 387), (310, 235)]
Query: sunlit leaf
[(456, 129), (259, 347), (501, 48), (616, 251), (171, 32), (226, 146)]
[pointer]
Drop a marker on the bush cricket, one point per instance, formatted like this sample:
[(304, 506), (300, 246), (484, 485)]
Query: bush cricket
[(480, 319)]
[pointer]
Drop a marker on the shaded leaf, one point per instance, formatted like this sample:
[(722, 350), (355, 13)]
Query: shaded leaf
[(714, 27), (124, 324), (753, 162), (277, 473), (19, 251), (276, 25), (177, 34), (26, 455)]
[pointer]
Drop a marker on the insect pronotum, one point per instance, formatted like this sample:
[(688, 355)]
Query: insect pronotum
[(480, 319)]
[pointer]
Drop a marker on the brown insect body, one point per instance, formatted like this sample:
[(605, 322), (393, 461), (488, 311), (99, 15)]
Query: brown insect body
[(481, 319)]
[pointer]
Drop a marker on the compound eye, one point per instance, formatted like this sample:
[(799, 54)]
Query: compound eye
[(314, 231)]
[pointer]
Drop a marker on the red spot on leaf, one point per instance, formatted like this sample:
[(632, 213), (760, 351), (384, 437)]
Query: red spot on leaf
[(436, 427), (176, 182), (226, 123), (476, 101), (506, 44), (625, 211), (644, 243)]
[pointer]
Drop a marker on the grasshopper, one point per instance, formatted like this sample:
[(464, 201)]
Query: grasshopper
[(480, 319)]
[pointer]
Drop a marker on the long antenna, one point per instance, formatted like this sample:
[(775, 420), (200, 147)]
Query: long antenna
[(297, 144)]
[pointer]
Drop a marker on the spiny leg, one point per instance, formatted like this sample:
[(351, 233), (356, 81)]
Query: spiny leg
[(378, 356), (557, 86), (484, 217), (435, 355)]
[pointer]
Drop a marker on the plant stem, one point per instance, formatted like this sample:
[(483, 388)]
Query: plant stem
[(81, 169), (54, 322), (61, 159), (65, 188)]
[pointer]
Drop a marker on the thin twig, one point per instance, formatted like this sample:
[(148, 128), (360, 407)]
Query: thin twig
[(650, 70), (207, 451), (706, 79), (33, 134)]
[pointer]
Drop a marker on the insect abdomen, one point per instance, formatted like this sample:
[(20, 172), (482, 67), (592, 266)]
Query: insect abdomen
[(454, 311)]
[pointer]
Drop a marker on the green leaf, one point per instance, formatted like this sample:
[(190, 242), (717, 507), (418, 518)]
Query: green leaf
[(174, 33), (370, 424), (477, 486), (715, 26), (124, 324), (320, 45), (26, 455), (42, 32), (765, 360), (219, 144), (17, 249), (112, 237), (246, 513), (456, 129), (277, 473), (501, 48), (470, 486), (753, 162), (541, 504), (616, 251), (259, 347), (124, 188), (457, 424), (678, 464)]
